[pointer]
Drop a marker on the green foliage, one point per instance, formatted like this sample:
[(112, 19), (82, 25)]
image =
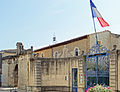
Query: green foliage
[(99, 88)]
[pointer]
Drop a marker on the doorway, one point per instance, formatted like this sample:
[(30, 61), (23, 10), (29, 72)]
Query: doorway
[(74, 80), (16, 76)]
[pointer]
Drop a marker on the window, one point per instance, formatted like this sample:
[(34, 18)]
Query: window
[(76, 51), (56, 54), (42, 55)]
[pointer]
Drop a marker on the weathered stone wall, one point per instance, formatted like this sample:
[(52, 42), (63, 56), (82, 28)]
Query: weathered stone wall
[(32, 73), (11, 68), (4, 54), (104, 38), (67, 50), (114, 70), (13, 64), (119, 70), (115, 40), (8, 72), (53, 74), (23, 71), (5, 74), (56, 74)]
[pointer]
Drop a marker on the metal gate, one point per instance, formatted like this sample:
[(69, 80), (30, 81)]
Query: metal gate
[(97, 66)]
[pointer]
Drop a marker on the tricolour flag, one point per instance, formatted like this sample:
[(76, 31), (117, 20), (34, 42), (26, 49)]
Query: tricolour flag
[(95, 13)]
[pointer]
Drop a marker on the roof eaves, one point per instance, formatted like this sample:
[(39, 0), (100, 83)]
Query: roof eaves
[(62, 43)]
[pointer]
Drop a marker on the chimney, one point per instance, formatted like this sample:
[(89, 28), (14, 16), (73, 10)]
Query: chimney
[(20, 48)]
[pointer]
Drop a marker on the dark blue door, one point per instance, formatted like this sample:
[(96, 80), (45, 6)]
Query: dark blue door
[(74, 80)]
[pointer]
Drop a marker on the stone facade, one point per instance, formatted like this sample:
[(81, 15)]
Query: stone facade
[(52, 74), (15, 69), (118, 71), (36, 74), (56, 74), (65, 49), (5, 53), (50, 69), (113, 76), (83, 43)]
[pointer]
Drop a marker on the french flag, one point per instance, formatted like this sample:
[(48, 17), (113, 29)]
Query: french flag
[(95, 13)]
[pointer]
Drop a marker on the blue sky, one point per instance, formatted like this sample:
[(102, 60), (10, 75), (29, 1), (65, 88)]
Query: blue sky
[(34, 22)]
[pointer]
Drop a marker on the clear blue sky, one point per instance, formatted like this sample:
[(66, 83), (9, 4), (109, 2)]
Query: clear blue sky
[(34, 22)]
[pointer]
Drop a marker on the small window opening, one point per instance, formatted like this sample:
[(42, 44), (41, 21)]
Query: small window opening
[(76, 52), (42, 55), (56, 54)]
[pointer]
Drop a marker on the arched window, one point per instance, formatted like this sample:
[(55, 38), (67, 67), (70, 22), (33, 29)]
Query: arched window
[(56, 54), (76, 51), (42, 55)]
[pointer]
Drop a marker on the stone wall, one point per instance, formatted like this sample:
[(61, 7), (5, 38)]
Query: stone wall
[(5, 74), (17, 64), (113, 75), (55, 71), (53, 74), (23, 71), (115, 40), (8, 72), (104, 38), (66, 50), (56, 74), (115, 70), (119, 70)]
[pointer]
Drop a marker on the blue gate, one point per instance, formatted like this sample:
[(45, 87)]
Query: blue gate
[(97, 66)]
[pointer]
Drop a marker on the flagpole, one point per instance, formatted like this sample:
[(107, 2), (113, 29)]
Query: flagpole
[(97, 57), (95, 13), (96, 44), (94, 25), (95, 31)]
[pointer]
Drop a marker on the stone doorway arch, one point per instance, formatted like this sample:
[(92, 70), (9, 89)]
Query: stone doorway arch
[(16, 76)]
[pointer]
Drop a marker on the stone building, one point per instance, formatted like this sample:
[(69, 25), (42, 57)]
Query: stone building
[(16, 66), (36, 74), (76, 46), (69, 74), (69, 66), (5, 53), (8, 52)]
